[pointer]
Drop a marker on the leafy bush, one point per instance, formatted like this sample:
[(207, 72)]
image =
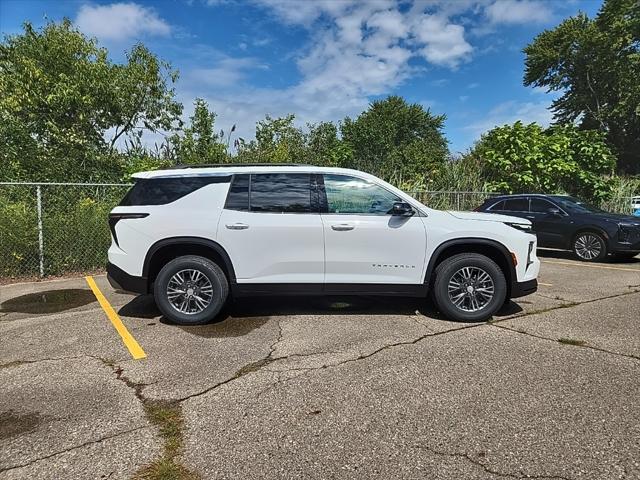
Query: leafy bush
[(18, 234), (527, 158)]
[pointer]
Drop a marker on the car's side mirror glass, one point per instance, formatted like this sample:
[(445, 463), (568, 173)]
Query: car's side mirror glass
[(402, 209)]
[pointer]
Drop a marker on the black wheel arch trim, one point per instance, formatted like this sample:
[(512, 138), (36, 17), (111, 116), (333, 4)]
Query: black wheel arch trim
[(590, 229), (513, 278), (205, 242)]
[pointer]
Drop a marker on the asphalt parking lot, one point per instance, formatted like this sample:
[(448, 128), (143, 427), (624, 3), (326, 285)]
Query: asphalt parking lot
[(325, 388)]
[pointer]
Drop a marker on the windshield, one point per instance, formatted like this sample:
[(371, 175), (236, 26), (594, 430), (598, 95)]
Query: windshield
[(574, 205)]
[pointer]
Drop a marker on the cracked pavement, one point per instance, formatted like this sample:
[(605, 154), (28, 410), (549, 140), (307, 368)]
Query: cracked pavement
[(330, 387)]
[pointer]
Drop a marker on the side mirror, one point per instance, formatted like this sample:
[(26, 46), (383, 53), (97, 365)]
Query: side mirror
[(402, 209), (554, 212)]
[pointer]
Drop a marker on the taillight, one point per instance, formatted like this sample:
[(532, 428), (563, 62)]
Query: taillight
[(116, 217)]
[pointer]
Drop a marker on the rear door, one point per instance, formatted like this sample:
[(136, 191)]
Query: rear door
[(364, 243), (272, 230)]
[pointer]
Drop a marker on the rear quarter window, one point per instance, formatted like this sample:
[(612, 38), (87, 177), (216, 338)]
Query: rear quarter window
[(160, 191), (516, 205), (496, 206)]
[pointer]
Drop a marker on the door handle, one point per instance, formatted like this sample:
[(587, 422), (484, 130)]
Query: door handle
[(343, 227), (237, 226), (531, 217)]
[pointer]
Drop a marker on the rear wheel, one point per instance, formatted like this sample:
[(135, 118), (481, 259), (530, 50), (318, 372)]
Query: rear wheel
[(191, 290), (590, 247), (469, 287)]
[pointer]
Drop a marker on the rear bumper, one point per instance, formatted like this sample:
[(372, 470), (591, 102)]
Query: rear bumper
[(522, 289), (121, 280)]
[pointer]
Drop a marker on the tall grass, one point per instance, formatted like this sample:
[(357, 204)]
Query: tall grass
[(622, 191)]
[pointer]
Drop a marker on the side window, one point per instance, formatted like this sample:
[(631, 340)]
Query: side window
[(347, 194), (540, 205), (238, 196), (497, 206), (280, 193), (160, 191), (516, 205)]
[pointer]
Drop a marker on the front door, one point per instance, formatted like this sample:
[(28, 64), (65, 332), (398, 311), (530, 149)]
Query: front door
[(551, 229), (272, 230), (364, 243)]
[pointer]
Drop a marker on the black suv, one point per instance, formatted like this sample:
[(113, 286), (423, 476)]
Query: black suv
[(565, 222)]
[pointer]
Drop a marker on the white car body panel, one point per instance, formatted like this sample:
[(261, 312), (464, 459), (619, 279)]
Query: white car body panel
[(275, 247), (374, 249)]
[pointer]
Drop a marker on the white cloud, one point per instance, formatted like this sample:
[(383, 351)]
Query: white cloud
[(391, 22), (306, 12), (356, 50), (518, 11), (444, 42), (120, 21), (226, 72)]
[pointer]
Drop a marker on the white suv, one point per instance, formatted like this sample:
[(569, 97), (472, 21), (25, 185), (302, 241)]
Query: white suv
[(192, 236)]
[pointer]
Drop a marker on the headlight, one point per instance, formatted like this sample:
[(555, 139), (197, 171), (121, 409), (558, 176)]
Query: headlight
[(523, 227)]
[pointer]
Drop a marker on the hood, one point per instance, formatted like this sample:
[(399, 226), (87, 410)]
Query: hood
[(616, 217), (489, 217)]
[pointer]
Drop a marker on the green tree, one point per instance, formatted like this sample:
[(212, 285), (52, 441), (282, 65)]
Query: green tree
[(65, 106), (199, 142), (278, 140), (400, 142), (527, 158), (325, 148), (595, 63)]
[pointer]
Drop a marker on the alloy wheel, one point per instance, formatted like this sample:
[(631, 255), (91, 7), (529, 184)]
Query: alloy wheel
[(471, 289), (189, 291), (588, 246)]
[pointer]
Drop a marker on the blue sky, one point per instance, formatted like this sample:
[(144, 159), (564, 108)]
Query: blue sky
[(326, 59)]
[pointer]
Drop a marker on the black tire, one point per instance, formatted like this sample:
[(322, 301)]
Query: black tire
[(589, 247), (212, 272), (449, 269)]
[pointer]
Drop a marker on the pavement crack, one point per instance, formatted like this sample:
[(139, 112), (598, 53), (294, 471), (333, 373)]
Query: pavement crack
[(17, 363), (571, 304), (485, 467), (576, 344), (258, 365), (554, 297), (70, 449), (246, 369), (419, 339), (166, 416)]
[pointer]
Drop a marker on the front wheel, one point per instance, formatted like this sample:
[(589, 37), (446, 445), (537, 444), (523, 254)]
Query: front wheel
[(191, 290), (590, 247), (469, 287)]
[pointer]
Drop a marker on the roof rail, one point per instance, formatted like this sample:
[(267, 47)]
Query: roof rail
[(210, 165)]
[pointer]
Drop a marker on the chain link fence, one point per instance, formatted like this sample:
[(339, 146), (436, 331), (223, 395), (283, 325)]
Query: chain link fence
[(49, 229)]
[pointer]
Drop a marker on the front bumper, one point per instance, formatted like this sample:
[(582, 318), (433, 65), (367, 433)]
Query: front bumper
[(627, 240), (121, 280), (522, 289)]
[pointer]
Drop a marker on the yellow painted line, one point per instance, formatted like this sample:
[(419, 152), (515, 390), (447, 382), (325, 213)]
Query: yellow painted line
[(134, 348), (585, 265), (545, 284)]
